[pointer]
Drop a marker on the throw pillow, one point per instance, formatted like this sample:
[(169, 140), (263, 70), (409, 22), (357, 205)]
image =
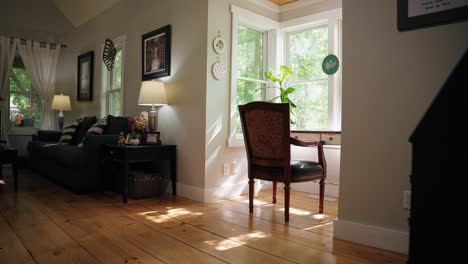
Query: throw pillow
[(82, 129), (69, 131), (95, 129)]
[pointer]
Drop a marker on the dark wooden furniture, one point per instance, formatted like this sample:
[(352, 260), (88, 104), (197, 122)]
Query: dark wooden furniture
[(127, 154), (9, 156), (438, 176), (268, 144)]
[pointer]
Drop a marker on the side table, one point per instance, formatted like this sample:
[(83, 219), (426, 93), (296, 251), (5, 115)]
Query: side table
[(10, 156), (128, 154)]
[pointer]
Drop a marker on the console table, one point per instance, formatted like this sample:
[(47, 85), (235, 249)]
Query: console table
[(128, 154)]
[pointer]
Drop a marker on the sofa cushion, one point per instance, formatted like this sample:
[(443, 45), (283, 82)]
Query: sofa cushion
[(96, 129), (69, 131), (64, 154), (82, 129), (116, 124)]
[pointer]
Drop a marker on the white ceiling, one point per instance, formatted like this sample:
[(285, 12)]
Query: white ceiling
[(80, 11)]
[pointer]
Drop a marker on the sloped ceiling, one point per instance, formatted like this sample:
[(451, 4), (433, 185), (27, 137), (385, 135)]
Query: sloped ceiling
[(81, 11)]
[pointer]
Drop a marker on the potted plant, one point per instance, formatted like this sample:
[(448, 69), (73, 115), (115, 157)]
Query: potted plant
[(285, 93)]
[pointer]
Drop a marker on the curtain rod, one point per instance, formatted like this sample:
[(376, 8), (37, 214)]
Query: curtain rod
[(40, 42)]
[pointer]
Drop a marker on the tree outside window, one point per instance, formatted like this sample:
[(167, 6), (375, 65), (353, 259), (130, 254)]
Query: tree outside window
[(25, 104)]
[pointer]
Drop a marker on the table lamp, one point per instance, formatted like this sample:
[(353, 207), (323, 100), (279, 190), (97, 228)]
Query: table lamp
[(62, 103), (152, 93)]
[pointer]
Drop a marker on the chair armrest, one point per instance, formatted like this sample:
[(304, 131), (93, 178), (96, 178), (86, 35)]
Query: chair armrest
[(47, 135), (301, 143)]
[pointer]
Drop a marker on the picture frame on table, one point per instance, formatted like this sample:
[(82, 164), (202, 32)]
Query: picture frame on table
[(156, 53), (152, 138), (85, 76), (414, 14)]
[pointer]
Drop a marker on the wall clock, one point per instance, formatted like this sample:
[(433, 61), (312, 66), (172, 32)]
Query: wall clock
[(108, 56)]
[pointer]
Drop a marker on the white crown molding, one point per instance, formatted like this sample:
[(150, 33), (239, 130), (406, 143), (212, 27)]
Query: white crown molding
[(279, 9)]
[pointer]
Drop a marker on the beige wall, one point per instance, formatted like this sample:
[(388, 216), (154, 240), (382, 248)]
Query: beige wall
[(389, 80), (183, 121), (32, 19)]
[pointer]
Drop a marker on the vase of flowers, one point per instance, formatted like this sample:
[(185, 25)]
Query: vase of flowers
[(137, 126)]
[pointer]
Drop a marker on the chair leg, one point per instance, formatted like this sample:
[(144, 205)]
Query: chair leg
[(287, 189), (251, 195), (274, 192), (322, 195)]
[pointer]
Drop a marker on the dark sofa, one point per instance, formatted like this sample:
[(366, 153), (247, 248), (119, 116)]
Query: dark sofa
[(73, 167)]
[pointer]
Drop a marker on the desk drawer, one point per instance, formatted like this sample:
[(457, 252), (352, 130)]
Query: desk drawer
[(306, 136), (331, 138)]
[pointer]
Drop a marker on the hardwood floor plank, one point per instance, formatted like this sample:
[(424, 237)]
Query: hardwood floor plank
[(11, 248), (40, 236), (58, 226)]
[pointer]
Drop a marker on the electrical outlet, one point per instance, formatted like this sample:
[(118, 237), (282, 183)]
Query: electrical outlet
[(407, 199), (234, 167)]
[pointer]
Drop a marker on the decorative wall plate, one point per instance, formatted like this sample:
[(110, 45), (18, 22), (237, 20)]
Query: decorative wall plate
[(219, 70), (108, 56), (219, 45)]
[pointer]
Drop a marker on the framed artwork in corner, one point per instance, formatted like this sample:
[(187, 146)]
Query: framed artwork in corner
[(85, 76), (156, 53), (425, 13)]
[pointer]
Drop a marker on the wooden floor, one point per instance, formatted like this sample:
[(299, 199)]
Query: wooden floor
[(44, 223)]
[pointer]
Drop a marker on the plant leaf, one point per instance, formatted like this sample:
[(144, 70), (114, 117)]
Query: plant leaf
[(271, 76), (290, 90), (285, 72)]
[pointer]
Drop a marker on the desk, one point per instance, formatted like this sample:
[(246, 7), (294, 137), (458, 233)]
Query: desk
[(10, 156), (127, 154), (329, 137)]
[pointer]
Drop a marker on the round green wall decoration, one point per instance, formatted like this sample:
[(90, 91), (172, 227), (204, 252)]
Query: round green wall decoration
[(330, 64)]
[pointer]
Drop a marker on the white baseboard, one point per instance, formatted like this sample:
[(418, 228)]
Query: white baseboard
[(331, 189), (374, 236), (216, 193)]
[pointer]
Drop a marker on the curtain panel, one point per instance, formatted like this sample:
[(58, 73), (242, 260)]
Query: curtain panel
[(41, 65), (7, 55)]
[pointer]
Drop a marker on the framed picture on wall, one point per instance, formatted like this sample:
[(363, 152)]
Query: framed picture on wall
[(156, 53), (85, 76), (425, 13)]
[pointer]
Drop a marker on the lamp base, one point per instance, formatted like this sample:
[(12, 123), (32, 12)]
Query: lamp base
[(60, 120), (153, 120)]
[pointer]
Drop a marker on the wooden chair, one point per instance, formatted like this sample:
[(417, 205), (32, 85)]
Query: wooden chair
[(268, 144)]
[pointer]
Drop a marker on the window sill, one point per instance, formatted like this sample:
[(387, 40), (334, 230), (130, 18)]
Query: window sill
[(237, 141), (22, 131)]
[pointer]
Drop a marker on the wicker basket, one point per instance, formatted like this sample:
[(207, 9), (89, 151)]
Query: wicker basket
[(141, 185)]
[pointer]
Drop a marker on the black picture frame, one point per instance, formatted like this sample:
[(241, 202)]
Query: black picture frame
[(156, 53), (428, 15), (152, 138), (85, 76)]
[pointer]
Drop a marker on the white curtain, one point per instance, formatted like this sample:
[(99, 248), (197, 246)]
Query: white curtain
[(40, 64), (7, 55)]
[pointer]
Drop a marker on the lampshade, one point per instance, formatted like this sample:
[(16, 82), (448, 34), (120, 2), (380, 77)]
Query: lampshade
[(61, 102), (152, 93)]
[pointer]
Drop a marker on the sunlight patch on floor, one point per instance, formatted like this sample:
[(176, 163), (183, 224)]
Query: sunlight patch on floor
[(319, 216), (296, 211), (256, 202), (317, 226), (236, 241), (171, 213)]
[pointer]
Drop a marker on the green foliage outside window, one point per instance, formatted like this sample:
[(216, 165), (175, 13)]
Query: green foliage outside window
[(25, 105)]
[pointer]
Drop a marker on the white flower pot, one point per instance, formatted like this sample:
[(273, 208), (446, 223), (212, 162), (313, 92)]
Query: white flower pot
[(134, 141)]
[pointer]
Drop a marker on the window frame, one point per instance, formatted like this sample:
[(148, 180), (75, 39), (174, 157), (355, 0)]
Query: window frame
[(277, 54), (246, 18), (333, 20), (107, 77)]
